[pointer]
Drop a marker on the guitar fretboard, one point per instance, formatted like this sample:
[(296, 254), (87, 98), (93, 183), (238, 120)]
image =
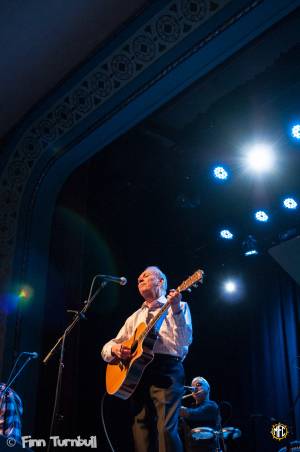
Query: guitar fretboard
[(154, 320), (192, 280)]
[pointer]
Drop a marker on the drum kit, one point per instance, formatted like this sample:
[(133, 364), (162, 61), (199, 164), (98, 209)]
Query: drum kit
[(206, 437), (293, 446)]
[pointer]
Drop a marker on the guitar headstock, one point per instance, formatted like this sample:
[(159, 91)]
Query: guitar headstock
[(196, 277)]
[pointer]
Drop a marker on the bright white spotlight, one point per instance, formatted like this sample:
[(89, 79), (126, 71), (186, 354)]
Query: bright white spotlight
[(226, 234), (260, 215), (230, 286), (260, 158), (290, 203), (296, 131), (220, 173)]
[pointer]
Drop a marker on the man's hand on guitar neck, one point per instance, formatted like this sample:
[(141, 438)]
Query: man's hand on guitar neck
[(121, 351), (175, 298)]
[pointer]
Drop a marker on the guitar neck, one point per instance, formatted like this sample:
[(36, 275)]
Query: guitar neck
[(197, 276)]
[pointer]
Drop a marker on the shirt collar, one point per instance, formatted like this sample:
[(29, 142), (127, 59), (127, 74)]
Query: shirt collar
[(156, 304)]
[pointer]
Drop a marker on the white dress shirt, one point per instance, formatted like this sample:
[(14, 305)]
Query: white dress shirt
[(175, 333)]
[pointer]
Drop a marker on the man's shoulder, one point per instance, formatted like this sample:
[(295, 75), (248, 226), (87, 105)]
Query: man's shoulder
[(135, 313), (211, 404)]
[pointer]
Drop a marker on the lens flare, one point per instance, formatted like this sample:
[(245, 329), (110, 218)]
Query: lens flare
[(25, 293)]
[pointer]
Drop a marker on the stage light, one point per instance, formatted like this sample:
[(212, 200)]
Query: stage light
[(251, 253), (232, 289), (230, 286), (296, 131), (220, 173), (260, 158), (250, 246), (261, 216), (226, 234), (290, 203)]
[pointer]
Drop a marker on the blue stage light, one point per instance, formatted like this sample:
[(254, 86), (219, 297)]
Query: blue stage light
[(226, 234), (251, 253), (290, 203), (296, 131), (220, 173), (260, 215)]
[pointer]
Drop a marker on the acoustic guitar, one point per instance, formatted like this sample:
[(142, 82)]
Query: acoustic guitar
[(123, 376)]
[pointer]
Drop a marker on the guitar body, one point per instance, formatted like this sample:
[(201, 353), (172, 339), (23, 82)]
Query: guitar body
[(122, 377)]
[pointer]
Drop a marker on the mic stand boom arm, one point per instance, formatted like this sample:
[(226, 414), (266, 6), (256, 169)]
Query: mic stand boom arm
[(78, 315)]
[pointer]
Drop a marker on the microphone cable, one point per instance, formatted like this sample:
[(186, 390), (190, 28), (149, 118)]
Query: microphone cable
[(12, 377), (12, 370), (103, 422)]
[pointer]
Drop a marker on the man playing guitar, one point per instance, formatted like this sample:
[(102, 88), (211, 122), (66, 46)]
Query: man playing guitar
[(157, 398)]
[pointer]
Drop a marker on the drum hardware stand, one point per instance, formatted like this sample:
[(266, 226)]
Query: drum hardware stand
[(219, 434), (78, 315)]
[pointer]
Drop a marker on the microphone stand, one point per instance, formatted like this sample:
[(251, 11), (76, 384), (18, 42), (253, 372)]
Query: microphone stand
[(61, 341), (11, 380)]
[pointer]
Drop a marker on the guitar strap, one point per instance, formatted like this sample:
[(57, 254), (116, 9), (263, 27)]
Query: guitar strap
[(158, 324)]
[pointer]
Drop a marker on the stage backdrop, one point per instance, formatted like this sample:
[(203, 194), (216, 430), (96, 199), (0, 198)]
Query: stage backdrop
[(247, 349)]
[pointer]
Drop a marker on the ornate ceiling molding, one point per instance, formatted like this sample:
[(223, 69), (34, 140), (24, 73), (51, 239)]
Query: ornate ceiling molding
[(97, 92), (158, 36)]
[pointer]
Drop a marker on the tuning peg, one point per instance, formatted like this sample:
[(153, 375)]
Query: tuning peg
[(195, 285), (189, 289)]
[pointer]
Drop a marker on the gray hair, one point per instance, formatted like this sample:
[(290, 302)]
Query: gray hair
[(161, 275), (201, 380)]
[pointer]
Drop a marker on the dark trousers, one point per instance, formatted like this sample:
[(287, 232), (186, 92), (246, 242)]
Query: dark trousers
[(155, 406)]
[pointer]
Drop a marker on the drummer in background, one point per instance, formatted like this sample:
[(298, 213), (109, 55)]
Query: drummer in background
[(203, 412)]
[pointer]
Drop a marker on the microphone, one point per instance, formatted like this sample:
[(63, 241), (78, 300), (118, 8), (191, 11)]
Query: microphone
[(191, 388), (187, 396), (32, 355), (119, 280)]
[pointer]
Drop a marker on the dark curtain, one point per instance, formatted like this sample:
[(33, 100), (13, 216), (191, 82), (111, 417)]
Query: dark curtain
[(275, 356), (248, 350)]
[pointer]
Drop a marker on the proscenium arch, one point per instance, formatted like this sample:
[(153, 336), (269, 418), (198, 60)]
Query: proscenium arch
[(86, 128)]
